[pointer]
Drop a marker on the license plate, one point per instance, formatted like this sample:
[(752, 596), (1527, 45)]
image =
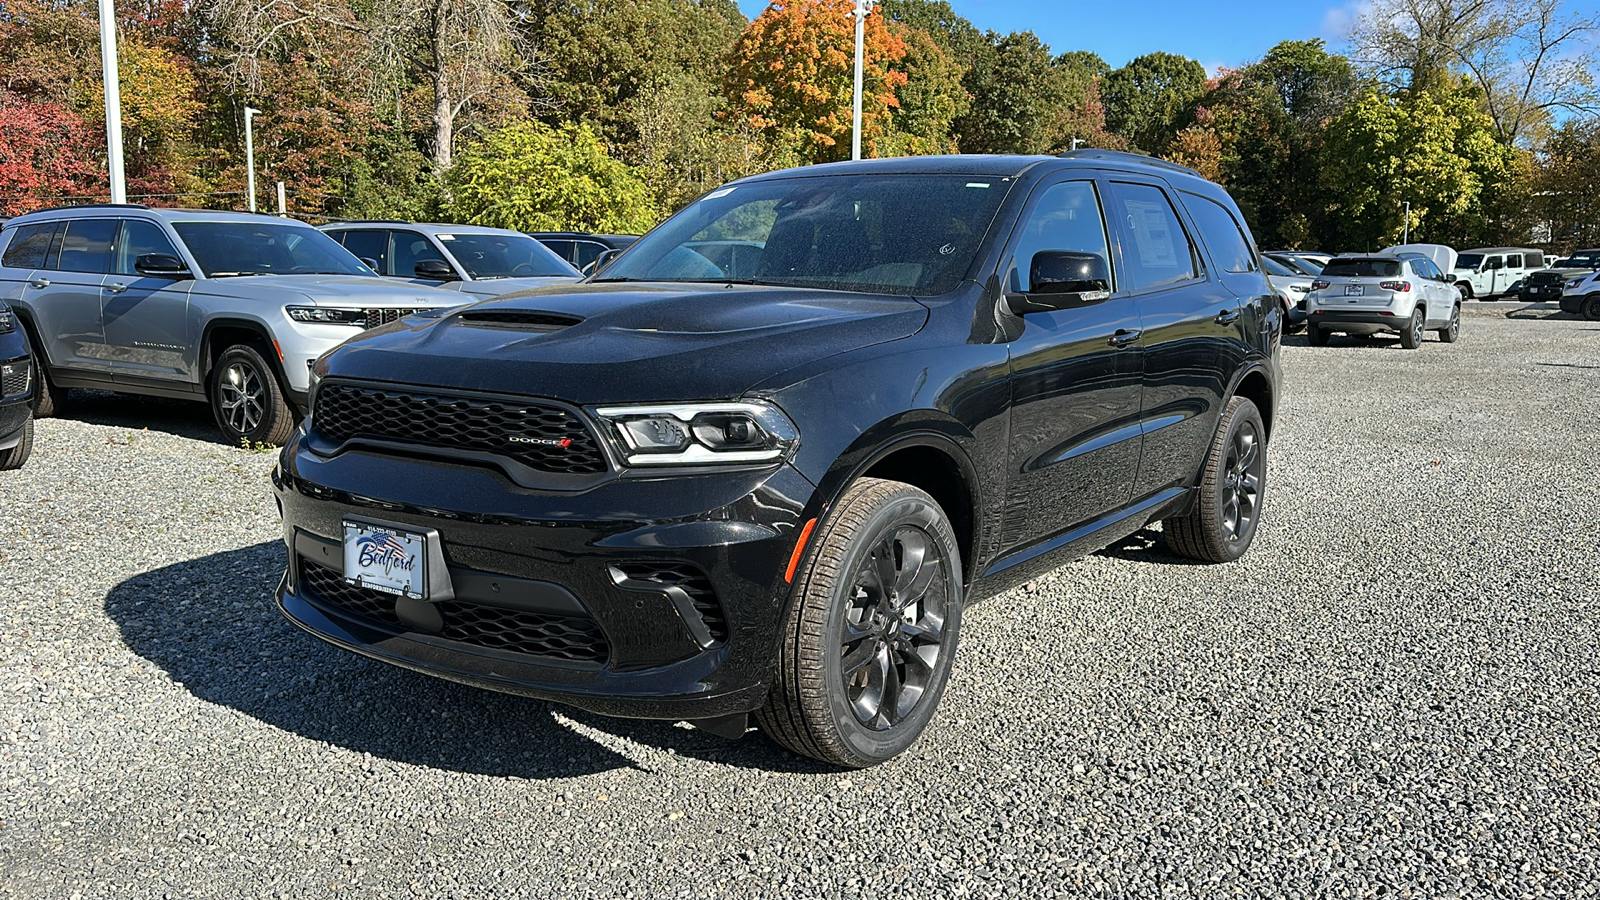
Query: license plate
[(1353, 290), (382, 558)]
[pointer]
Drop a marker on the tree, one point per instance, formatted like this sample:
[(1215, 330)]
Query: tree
[(793, 70), (1018, 95), (47, 153), (1564, 195), (1146, 99), (930, 101), (532, 177)]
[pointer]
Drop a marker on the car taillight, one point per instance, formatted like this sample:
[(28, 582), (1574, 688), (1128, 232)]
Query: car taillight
[(1319, 284), (1397, 286)]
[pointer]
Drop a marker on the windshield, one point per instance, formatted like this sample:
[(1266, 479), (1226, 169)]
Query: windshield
[(1362, 268), (488, 255), (265, 248), (895, 234), (1469, 260), (1274, 267), (1584, 261)]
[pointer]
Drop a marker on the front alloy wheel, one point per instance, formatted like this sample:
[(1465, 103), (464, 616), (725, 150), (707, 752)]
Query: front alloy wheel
[(871, 632), (247, 401), (1452, 332), (1591, 307), (1411, 335)]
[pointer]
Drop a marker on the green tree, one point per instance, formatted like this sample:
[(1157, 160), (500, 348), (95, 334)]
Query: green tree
[(930, 101), (1018, 95), (532, 177), (1147, 98)]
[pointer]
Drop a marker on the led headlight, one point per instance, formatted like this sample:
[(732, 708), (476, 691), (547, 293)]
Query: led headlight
[(681, 434), (326, 315)]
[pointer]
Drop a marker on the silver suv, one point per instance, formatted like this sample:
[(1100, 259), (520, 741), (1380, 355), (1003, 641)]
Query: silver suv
[(1403, 290), (476, 260), (230, 308)]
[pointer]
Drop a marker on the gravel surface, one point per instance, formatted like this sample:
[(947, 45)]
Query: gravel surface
[(1394, 694)]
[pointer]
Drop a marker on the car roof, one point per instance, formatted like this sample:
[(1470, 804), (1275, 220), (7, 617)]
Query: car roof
[(428, 227), (166, 213), (1504, 250), (996, 165), (581, 235)]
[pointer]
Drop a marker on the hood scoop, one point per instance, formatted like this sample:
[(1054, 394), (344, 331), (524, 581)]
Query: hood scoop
[(518, 320)]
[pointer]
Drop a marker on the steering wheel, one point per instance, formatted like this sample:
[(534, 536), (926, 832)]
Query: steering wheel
[(524, 269)]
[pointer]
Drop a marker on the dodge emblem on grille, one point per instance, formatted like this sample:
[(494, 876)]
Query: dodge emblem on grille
[(542, 442)]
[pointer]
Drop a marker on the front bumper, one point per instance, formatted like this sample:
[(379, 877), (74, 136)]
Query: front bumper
[(17, 377), (1572, 302), (602, 598)]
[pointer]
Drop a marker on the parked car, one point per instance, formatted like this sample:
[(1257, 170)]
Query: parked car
[(1582, 259), (471, 259), (1582, 295), (1301, 261), (1548, 284), (1488, 272), (580, 248), (1291, 286), (669, 493), (16, 393), (1402, 290), (228, 308)]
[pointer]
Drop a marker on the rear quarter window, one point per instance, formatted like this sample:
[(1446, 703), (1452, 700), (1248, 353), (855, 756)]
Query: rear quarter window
[(1221, 233)]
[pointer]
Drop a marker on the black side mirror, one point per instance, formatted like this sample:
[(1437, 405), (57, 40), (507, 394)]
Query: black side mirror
[(161, 265), (1063, 279), (369, 263), (605, 258), (435, 270)]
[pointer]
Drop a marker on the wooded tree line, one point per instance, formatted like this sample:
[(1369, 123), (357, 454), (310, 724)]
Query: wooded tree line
[(609, 114)]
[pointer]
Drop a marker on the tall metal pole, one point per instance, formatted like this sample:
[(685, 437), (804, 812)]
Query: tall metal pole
[(108, 69), (1406, 235), (862, 8), (249, 157)]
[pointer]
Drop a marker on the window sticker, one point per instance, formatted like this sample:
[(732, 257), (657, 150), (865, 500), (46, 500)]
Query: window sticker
[(1151, 233)]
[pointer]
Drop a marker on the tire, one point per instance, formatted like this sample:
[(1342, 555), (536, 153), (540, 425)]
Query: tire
[(1591, 307), (1465, 289), (47, 397), (1452, 332), (1316, 335), (246, 399), (16, 456), (840, 616), (1411, 335), (1222, 524)]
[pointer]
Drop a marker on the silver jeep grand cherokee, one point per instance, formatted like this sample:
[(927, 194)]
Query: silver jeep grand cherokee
[(230, 308)]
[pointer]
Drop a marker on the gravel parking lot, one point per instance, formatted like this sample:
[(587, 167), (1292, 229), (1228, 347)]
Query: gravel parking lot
[(1396, 693)]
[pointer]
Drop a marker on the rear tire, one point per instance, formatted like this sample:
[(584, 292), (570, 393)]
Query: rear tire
[(1223, 523), (1316, 335), (16, 456), (1591, 307), (1452, 332), (247, 401), (870, 636), (1411, 335)]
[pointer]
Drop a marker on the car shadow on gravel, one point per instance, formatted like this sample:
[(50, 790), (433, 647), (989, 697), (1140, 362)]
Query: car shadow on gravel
[(212, 625), (182, 418), (1146, 546)]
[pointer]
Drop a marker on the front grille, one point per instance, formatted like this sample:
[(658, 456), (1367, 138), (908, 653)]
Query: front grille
[(15, 378), (694, 583), (520, 320), (1545, 278), (372, 318), (542, 437), (572, 638)]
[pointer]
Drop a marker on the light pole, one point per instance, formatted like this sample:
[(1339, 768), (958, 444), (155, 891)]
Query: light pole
[(1406, 235), (249, 156), (863, 7), (108, 70)]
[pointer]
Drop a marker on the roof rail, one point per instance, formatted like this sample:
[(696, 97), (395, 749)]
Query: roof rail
[(89, 206), (335, 220), (1126, 156)]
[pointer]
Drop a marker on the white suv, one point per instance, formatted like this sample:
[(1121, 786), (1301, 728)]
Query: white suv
[(1401, 291)]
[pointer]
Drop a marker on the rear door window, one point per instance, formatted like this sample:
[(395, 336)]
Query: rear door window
[(1514, 261), (369, 243), (562, 249), (86, 246), (29, 246), (1156, 251)]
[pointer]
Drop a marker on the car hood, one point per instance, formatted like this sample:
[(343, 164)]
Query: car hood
[(628, 343), (333, 290), (499, 287), (1441, 256)]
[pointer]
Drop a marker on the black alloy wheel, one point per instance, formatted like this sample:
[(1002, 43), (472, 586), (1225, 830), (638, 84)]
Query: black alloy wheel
[(1452, 332), (247, 401), (1411, 335), (871, 631), (1227, 511), (1591, 307)]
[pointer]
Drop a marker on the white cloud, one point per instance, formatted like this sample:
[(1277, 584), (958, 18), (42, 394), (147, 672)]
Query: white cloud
[(1338, 21)]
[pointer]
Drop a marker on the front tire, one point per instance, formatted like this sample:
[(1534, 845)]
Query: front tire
[(1591, 307), (870, 635), (1223, 523), (16, 456), (1452, 332), (1411, 335), (247, 401)]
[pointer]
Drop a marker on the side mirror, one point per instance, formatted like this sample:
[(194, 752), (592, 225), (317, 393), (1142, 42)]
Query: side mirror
[(161, 265), (369, 262), (605, 258), (1063, 279), (435, 270)]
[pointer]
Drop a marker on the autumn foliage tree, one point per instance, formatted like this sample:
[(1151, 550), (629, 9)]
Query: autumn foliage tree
[(793, 71), (46, 152)]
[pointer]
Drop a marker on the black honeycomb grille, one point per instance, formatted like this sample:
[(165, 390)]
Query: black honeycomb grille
[(694, 583), (572, 638), (374, 317), (15, 378), (542, 437), (1545, 278)]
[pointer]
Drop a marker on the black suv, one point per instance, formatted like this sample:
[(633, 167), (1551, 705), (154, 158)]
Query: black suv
[(679, 492), (16, 393)]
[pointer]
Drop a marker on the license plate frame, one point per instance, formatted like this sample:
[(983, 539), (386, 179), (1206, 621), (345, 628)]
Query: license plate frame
[(390, 559), (1354, 290)]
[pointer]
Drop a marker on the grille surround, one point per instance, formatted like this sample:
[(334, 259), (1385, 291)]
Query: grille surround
[(568, 639), (19, 381), (535, 434), (694, 582)]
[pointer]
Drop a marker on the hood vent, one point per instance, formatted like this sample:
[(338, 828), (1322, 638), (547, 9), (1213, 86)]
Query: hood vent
[(518, 319)]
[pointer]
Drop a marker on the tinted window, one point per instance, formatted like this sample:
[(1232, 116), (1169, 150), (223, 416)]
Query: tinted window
[(1514, 261), (585, 252), (86, 247), (29, 246), (562, 249), (1222, 233), (138, 238), (1424, 267), (267, 247), (1469, 260), (369, 243), (488, 255), (899, 234), (1362, 268), (1277, 269), (410, 248), (1065, 217), (1157, 252)]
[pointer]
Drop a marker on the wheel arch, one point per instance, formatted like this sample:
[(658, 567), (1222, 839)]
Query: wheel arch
[(1255, 385), (222, 333)]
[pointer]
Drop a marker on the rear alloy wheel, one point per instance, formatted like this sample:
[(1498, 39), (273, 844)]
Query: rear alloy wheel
[(14, 457), (1591, 307), (1411, 335), (1228, 508), (1316, 335), (871, 632), (1452, 332), (247, 401)]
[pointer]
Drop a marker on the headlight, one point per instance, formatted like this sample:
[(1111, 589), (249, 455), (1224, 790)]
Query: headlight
[(679, 434), (8, 321), (324, 315)]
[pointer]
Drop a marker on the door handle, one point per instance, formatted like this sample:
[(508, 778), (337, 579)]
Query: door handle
[(116, 288), (40, 283), (1227, 317), (1124, 337)]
